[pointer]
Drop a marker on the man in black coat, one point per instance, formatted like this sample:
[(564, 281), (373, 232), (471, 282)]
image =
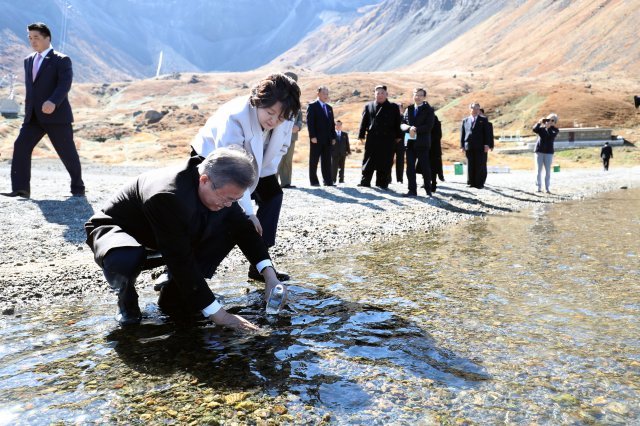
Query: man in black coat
[(48, 77), (190, 215), (322, 135), (475, 142), (418, 122), (606, 153), (435, 154), (339, 153), (380, 131)]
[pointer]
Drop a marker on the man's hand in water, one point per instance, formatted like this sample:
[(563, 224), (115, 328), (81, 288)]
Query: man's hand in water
[(235, 322)]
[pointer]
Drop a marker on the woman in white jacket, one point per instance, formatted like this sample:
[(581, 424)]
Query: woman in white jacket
[(261, 123)]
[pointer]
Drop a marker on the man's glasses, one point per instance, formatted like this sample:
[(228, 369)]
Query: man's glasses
[(225, 200)]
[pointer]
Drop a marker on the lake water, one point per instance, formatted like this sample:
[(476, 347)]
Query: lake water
[(531, 318)]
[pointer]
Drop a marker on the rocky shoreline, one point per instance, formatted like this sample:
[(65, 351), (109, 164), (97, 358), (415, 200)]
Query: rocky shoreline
[(43, 257)]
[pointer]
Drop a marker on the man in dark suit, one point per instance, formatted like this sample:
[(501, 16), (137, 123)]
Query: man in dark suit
[(339, 152), (322, 134), (475, 142), (380, 131), (418, 123), (606, 153), (435, 154), (490, 133), (399, 152), (190, 215), (48, 76)]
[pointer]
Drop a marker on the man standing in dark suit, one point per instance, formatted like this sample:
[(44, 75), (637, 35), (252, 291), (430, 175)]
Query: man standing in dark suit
[(606, 153), (435, 154), (380, 131), (191, 216), (322, 134), (418, 123), (48, 77), (339, 152), (475, 142), (490, 134)]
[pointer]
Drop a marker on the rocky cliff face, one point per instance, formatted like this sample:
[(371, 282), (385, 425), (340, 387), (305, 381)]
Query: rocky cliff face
[(395, 33), (119, 39), (112, 40), (518, 37)]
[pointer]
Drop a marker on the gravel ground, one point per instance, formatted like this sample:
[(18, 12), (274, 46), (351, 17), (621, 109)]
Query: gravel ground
[(43, 257)]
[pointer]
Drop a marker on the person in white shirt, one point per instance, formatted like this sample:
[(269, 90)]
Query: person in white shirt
[(261, 123)]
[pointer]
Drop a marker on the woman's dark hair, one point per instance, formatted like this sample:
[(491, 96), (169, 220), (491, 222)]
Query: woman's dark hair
[(277, 88), (41, 28)]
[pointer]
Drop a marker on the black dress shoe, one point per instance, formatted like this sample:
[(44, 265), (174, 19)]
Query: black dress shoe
[(255, 275), (129, 313), (19, 193), (365, 185), (315, 184), (126, 319), (410, 194)]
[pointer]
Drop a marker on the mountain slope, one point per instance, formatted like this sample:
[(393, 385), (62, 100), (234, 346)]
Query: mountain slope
[(394, 33), (120, 39), (560, 37), (526, 37)]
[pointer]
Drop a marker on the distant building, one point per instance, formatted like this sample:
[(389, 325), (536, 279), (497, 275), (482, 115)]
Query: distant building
[(9, 108), (568, 138)]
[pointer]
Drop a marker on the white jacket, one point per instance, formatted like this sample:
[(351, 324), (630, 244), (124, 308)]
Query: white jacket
[(236, 123)]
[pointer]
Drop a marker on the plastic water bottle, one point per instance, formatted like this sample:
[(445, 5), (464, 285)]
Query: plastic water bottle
[(275, 300)]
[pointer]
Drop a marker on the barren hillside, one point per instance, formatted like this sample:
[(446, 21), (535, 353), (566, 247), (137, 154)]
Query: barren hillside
[(526, 37), (112, 121)]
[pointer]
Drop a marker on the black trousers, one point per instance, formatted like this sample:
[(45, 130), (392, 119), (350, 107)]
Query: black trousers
[(399, 154), (268, 196), (320, 151), (337, 166), (379, 161), (476, 167), (122, 266), (61, 137), (420, 155), (605, 163)]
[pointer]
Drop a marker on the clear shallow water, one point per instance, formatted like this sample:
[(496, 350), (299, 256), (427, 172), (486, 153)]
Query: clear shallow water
[(528, 318)]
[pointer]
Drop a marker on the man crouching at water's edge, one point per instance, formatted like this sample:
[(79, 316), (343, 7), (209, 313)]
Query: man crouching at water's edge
[(191, 216)]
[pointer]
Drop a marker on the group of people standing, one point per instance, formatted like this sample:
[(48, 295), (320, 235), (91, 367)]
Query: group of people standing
[(191, 216), (382, 132)]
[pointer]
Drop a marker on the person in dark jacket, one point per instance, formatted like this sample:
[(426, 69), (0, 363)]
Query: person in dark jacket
[(339, 153), (418, 123), (190, 215), (606, 153), (435, 153), (475, 142), (547, 131), (380, 131), (399, 152), (48, 77), (322, 135)]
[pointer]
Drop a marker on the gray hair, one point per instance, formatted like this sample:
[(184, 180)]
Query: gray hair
[(553, 116), (229, 165)]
